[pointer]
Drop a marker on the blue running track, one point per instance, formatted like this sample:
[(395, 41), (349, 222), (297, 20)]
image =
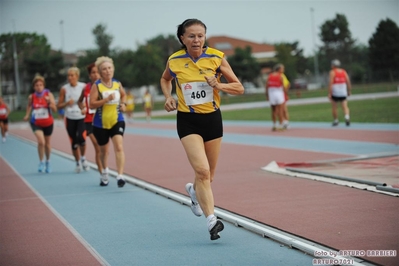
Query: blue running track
[(134, 226)]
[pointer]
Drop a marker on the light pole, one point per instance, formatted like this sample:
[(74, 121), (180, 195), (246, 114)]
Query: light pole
[(316, 61), (62, 35), (16, 69)]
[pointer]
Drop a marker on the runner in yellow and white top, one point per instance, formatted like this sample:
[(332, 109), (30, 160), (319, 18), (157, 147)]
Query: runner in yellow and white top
[(196, 70), (108, 97), (148, 104), (129, 104)]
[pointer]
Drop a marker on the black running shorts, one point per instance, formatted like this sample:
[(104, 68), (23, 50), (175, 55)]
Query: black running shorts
[(338, 99), (208, 126), (103, 135), (47, 131)]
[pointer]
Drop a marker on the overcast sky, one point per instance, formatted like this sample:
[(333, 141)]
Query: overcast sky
[(133, 22)]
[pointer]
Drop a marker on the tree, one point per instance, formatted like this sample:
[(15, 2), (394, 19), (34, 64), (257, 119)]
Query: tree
[(84, 61), (337, 40), (48, 64), (167, 45), (285, 57), (102, 39), (34, 57), (360, 67), (124, 67), (148, 65), (384, 50), (244, 64), (291, 56), (301, 60)]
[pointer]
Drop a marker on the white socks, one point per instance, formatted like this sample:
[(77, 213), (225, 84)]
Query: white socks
[(104, 176), (211, 220), (346, 117)]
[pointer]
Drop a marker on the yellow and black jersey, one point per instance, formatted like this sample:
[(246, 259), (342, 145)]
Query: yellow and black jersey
[(109, 114), (193, 93)]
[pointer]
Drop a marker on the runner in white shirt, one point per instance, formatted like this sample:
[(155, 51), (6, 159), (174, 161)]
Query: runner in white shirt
[(74, 117)]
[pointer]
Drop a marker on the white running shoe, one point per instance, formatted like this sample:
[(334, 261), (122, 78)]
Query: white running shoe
[(85, 165), (104, 180), (78, 169), (195, 207)]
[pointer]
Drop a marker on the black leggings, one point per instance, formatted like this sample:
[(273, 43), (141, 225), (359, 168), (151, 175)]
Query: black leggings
[(76, 132)]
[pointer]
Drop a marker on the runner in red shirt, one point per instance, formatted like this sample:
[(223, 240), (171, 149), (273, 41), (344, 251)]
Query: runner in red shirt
[(41, 104), (275, 95), (84, 106), (4, 112), (339, 90)]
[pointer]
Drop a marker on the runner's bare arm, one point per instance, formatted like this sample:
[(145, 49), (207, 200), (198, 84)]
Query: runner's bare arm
[(166, 86), (233, 86)]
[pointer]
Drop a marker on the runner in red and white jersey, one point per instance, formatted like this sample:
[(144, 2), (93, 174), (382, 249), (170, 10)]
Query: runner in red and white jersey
[(41, 105), (83, 102), (339, 90)]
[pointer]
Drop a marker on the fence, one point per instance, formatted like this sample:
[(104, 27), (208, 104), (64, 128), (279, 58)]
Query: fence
[(12, 101)]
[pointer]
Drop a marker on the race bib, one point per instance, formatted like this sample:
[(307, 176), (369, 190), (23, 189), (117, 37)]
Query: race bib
[(3, 111), (41, 113), (116, 98), (91, 111), (73, 110), (197, 93)]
